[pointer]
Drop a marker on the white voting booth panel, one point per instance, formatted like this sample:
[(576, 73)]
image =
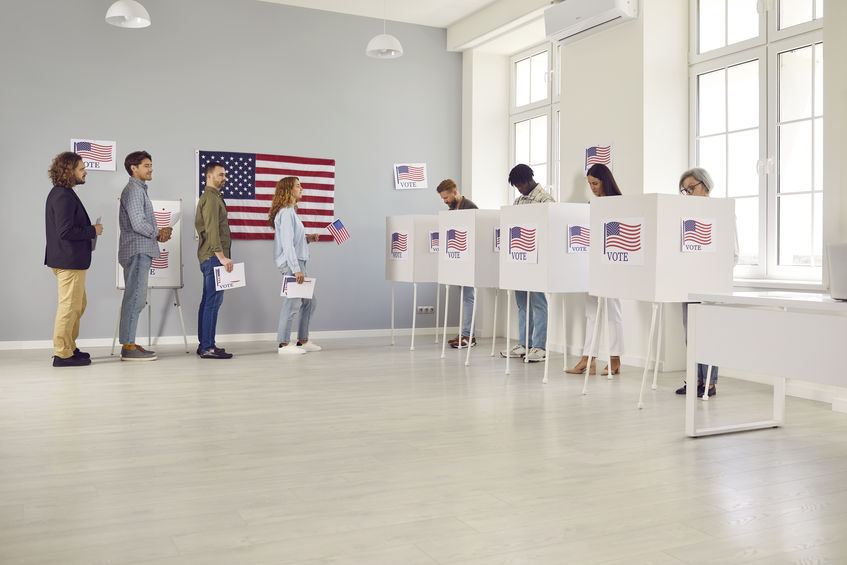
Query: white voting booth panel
[(417, 263), (660, 271), (554, 269), (468, 258)]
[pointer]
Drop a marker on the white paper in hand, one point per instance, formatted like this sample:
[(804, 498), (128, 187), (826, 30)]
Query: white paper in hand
[(291, 289), (226, 281), (94, 241)]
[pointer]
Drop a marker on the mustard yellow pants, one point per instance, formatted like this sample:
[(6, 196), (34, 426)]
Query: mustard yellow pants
[(69, 311)]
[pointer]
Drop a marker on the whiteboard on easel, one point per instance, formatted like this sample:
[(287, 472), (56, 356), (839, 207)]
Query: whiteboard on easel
[(166, 270)]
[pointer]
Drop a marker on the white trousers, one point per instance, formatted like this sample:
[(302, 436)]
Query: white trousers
[(615, 321)]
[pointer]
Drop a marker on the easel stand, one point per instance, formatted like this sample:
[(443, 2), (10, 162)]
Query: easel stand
[(602, 314), (657, 336), (178, 305)]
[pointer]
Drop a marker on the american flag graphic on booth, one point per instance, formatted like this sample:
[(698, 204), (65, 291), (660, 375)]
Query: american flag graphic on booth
[(619, 235), (160, 262), (598, 154), (579, 235), (457, 240), (521, 239), (94, 151), (398, 242), (433, 241), (496, 239), (163, 218), (696, 232), (251, 183)]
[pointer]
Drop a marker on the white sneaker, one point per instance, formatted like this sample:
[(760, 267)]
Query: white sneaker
[(517, 351), (536, 354), (309, 346), (291, 349)]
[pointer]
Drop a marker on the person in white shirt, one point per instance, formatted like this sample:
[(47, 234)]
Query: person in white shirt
[(291, 253)]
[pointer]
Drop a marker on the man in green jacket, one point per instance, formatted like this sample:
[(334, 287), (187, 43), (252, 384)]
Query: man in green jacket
[(213, 250)]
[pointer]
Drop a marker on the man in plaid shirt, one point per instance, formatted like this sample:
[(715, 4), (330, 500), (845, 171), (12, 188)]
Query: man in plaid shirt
[(136, 250)]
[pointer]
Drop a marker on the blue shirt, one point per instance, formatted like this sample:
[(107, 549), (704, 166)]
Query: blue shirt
[(138, 223), (290, 245)]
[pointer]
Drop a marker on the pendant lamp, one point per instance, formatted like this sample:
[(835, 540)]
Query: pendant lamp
[(127, 13), (384, 46)]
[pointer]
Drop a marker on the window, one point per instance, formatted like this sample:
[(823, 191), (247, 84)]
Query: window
[(534, 107), (757, 127)]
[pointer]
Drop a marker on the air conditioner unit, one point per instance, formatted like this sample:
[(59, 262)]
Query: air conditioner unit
[(571, 20)]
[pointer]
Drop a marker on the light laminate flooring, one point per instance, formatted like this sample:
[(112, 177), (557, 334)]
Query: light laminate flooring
[(370, 454)]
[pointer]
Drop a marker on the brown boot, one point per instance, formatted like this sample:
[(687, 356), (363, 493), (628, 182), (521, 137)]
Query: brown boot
[(579, 368)]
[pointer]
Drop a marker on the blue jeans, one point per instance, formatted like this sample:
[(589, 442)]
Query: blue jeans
[(537, 319), (136, 273), (290, 308), (207, 316), (701, 368), (467, 301)]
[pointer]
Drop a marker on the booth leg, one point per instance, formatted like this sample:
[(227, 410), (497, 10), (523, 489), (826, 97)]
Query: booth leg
[(658, 347), (470, 337), (594, 336), (117, 325), (392, 312), (446, 304), (647, 360), (149, 320), (178, 305), (462, 313), (437, 306), (494, 329), (564, 336), (414, 313), (526, 326), (508, 329), (606, 337), (547, 351)]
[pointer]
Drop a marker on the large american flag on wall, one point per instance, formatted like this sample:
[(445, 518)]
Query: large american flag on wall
[(251, 182)]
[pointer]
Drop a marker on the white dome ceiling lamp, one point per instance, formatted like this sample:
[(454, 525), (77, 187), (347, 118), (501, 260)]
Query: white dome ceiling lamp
[(127, 13), (384, 46)]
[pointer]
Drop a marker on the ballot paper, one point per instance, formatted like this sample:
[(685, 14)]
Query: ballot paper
[(96, 237), (291, 289), (175, 217), (226, 281)]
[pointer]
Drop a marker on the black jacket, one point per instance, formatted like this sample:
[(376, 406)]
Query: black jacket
[(69, 231)]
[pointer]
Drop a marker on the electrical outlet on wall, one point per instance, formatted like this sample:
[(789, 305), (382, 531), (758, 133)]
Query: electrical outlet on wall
[(426, 309)]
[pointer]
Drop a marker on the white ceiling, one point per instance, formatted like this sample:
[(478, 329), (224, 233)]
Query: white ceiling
[(435, 13)]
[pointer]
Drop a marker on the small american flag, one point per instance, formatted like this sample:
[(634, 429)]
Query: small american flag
[(433, 240), (622, 236), (162, 261), (93, 151), (338, 231), (580, 235), (598, 154), (410, 172), (457, 240), (696, 232), (398, 242), (521, 239)]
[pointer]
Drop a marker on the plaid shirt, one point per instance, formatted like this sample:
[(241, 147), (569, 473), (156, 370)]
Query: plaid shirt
[(138, 223), (536, 196)]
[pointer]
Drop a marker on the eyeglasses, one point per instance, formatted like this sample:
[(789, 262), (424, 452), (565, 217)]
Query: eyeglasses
[(689, 190)]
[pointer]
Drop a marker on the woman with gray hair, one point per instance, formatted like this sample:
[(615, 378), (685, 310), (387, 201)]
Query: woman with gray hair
[(698, 182)]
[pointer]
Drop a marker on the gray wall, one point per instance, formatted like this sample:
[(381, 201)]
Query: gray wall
[(231, 75)]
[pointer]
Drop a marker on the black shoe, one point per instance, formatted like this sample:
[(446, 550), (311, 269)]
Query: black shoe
[(219, 349), (70, 361), (701, 388), (81, 354), (215, 354), (682, 390)]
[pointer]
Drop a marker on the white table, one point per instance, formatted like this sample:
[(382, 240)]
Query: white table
[(780, 334)]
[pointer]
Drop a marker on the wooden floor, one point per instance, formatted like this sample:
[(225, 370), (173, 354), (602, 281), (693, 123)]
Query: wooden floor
[(370, 454)]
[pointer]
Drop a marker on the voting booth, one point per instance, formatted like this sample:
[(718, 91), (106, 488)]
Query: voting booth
[(467, 255), (660, 248), (411, 255), (544, 248)]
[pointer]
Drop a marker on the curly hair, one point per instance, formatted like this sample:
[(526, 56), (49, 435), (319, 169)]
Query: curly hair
[(283, 197), (62, 169)]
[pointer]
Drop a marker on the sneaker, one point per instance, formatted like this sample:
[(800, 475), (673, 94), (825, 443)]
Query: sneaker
[(70, 361), (465, 342), (683, 389), (701, 388), (218, 349), (536, 354), (454, 342), (309, 346), (138, 353), (81, 354), (215, 353), (517, 351), (291, 349)]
